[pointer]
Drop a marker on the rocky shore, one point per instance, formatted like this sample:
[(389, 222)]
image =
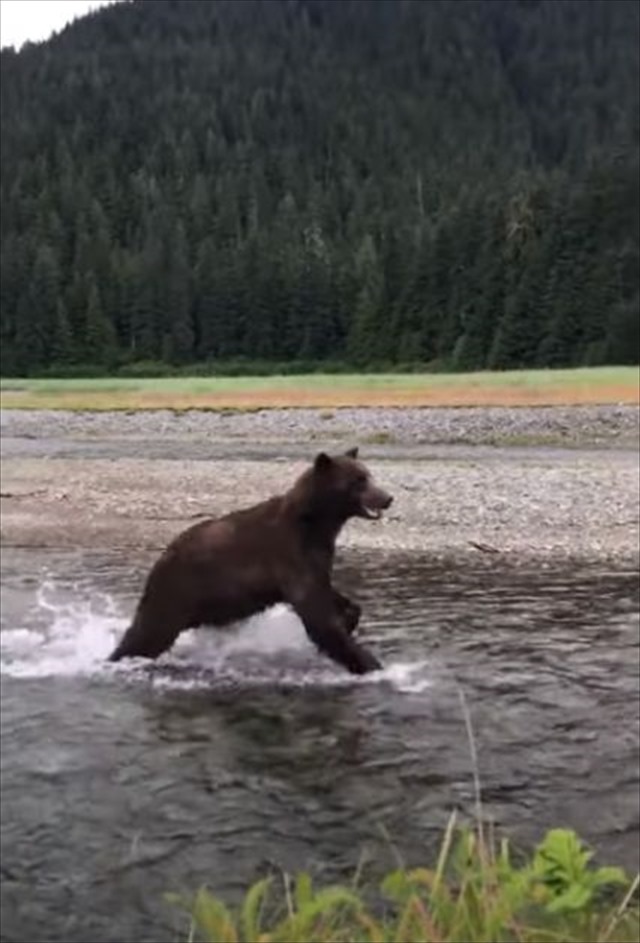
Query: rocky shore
[(580, 426), (538, 483)]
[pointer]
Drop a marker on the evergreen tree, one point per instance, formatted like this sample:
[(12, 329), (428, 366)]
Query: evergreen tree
[(42, 298), (62, 351), (368, 339), (179, 315), (207, 301), (100, 341)]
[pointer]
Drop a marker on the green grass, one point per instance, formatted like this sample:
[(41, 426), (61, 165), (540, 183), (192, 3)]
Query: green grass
[(378, 438), (508, 378), (474, 893), (527, 387)]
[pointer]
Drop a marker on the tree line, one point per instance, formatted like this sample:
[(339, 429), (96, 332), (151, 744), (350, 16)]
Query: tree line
[(370, 182)]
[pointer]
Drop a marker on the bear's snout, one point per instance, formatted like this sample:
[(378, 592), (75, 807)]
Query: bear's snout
[(378, 500), (374, 502)]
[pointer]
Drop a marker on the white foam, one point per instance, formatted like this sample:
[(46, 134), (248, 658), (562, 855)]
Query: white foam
[(408, 677), (19, 639), (75, 638), (276, 630), (76, 633)]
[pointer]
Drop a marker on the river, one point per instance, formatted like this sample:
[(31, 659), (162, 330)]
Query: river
[(244, 751)]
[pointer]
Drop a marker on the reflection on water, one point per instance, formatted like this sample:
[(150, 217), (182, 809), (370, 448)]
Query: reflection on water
[(246, 751)]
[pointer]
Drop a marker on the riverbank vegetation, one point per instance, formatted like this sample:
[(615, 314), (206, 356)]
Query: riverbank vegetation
[(476, 892), (599, 386)]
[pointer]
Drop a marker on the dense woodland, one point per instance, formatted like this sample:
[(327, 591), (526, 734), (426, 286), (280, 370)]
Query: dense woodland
[(452, 183)]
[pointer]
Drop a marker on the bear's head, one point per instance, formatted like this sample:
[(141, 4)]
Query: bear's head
[(339, 487)]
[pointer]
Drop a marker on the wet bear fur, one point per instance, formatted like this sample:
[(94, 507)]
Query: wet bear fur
[(282, 550)]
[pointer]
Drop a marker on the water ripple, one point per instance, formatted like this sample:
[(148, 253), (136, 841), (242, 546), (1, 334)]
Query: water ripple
[(244, 751)]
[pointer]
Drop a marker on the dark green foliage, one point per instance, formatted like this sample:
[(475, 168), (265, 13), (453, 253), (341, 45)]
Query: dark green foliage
[(62, 351), (364, 181), (99, 334)]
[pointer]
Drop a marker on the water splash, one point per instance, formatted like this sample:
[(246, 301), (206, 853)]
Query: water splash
[(74, 631), (72, 636)]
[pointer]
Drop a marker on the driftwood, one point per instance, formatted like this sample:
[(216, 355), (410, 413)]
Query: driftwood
[(483, 548), (22, 494), (167, 517)]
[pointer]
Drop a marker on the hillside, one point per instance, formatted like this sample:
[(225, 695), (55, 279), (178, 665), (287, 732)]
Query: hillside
[(391, 181)]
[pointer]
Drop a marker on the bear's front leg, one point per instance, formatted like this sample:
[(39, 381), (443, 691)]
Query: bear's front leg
[(350, 611), (317, 609)]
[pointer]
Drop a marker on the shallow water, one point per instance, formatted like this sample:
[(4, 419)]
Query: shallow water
[(245, 751)]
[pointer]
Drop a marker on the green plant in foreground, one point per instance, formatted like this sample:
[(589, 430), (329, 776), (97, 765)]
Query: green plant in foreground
[(475, 894)]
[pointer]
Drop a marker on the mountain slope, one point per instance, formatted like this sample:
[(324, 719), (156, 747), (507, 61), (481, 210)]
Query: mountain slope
[(394, 180)]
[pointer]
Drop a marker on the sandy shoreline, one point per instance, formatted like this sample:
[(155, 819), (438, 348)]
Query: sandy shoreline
[(536, 503)]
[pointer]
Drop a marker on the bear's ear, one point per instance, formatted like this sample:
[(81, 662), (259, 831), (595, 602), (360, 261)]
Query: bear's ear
[(352, 453), (322, 462)]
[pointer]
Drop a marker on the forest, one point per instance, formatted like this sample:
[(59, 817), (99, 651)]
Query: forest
[(407, 184)]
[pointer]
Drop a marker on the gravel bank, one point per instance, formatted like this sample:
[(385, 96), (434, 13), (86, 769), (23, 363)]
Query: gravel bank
[(521, 502), (574, 426)]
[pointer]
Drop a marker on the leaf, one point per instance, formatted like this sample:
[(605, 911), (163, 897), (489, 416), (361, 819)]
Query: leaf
[(504, 857), (249, 916), (303, 891), (610, 876), (561, 858), (416, 918), (323, 904), (445, 851), (421, 877), (396, 886), (214, 919), (465, 854), (573, 899), (375, 932)]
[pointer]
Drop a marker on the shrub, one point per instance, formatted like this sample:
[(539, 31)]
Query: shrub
[(474, 894)]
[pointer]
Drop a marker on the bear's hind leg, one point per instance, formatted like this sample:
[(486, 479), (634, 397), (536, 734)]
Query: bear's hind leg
[(145, 640)]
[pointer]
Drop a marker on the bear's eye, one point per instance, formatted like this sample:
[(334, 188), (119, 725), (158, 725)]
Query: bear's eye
[(361, 480)]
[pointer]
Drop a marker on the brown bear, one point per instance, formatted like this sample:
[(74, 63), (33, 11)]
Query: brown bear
[(224, 570)]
